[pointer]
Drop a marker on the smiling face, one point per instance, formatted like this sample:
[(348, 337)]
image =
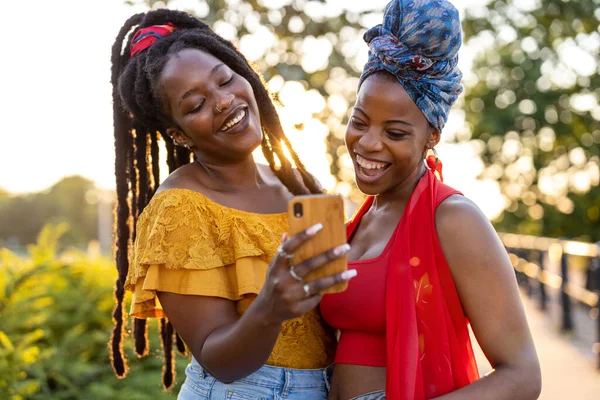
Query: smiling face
[(387, 136), (214, 109)]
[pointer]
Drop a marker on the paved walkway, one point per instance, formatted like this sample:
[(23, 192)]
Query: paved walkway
[(568, 366)]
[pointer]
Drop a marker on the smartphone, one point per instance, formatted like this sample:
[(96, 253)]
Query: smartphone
[(306, 211)]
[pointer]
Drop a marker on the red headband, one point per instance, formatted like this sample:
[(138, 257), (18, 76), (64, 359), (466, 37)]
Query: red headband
[(146, 36)]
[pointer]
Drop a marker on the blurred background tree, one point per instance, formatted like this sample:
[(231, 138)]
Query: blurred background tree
[(70, 200), (532, 108)]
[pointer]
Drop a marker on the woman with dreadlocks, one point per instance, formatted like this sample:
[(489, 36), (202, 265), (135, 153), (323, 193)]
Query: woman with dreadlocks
[(203, 240), (427, 257)]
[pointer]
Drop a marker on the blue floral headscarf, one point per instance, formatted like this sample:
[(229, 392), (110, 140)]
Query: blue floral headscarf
[(418, 42)]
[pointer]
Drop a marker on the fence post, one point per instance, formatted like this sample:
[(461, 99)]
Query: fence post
[(543, 298), (530, 282), (595, 267), (567, 318), (522, 253)]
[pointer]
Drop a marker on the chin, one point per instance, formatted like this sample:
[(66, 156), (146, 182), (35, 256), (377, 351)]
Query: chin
[(371, 188), (249, 141)]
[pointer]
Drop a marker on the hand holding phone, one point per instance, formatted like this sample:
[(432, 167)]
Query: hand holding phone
[(306, 211)]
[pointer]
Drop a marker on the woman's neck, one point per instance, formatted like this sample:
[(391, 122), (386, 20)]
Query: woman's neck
[(233, 176), (396, 198)]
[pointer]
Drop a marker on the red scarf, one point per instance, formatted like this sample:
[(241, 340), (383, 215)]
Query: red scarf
[(429, 351), (145, 37)]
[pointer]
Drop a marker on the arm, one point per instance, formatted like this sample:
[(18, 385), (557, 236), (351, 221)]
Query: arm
[(231, 348), (226, 346), (487, 288)]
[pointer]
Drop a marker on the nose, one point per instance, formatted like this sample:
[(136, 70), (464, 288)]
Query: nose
[(223, 102), (370, 142)]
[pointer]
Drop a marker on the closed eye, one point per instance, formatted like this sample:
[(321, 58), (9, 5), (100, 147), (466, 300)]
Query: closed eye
[(357, 124), (197, 108), (395, 135), (228, 81)]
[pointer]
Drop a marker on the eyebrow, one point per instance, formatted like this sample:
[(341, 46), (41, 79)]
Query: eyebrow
[(194, 90), (391, 121)]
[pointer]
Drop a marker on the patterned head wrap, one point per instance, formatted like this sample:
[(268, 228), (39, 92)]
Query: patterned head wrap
[(418, 43), (146, 36)]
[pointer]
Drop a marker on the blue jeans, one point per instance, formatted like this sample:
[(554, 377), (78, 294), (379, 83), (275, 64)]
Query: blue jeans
[(268, 383), (378, 395)]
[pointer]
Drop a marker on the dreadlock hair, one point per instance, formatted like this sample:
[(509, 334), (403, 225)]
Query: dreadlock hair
[(141, 119)]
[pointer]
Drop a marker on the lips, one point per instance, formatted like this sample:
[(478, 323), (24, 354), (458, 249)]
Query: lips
[(368, 170), (370, 164), (234, 120)]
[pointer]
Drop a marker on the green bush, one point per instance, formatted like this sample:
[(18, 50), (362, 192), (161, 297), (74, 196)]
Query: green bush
[(55, 322)]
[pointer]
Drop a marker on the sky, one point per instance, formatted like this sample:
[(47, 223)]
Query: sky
[(56, 110)]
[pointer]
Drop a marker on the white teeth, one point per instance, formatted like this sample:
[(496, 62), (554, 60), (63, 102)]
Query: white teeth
[(369, 164), (232, 122)]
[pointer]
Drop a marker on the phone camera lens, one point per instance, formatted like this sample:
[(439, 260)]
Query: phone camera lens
[(298, 210)]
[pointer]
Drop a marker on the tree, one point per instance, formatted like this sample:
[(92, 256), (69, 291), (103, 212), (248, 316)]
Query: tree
[(532, 107), (531, 111), (70, 200)]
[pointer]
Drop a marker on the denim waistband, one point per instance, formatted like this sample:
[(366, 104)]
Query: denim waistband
[(278, 377)]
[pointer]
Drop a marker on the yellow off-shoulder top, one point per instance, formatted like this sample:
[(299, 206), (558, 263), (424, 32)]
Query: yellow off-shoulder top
[(188, 244)]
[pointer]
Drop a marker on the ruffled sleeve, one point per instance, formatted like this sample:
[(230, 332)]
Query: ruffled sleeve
[(187, 244)]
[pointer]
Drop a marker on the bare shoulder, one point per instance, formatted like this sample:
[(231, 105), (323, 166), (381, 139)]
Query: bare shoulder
[(465, 233), (457, 211), (467, 237), (183, 177)]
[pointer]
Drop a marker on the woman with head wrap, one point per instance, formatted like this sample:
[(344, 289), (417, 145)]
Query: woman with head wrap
[(429, 261)]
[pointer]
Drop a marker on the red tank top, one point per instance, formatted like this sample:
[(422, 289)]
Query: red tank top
[(427, 351), (359, 311)]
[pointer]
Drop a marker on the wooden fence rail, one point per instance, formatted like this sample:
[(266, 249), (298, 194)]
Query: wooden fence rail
[(542, 263)]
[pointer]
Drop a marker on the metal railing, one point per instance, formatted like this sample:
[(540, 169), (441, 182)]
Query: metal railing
[(542, 263)]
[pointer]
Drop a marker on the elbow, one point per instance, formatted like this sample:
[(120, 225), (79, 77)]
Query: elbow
[(226, 380), (225, 376), (528, 381), (533, 379), (217, 370), (536, 382)]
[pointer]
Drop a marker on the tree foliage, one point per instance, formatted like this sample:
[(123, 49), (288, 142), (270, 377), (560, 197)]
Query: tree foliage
[(55, 325), (532, 105), (531, 102), (70, 200)]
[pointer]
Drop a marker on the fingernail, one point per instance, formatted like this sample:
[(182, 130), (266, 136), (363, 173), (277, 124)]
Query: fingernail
[(343, 249), (314, 229), (347, 275), (284, 237)]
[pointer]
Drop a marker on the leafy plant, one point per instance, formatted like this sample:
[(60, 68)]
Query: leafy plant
[(55, 324)]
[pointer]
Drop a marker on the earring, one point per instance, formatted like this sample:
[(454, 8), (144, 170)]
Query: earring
[(434, 154), (181, 144)]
